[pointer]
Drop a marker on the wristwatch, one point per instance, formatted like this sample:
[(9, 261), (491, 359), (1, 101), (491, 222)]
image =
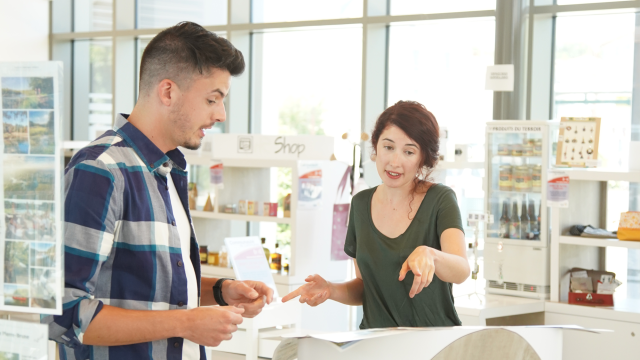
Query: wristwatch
[(217, 292)]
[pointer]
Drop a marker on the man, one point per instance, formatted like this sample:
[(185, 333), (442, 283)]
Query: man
[(129, 243)]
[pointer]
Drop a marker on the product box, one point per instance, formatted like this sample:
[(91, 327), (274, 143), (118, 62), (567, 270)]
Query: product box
[(273, 209), (592, 287), (242, 207), (251, 208)]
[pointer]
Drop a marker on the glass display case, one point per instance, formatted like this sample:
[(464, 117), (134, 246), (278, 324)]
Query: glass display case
[(516, 243)]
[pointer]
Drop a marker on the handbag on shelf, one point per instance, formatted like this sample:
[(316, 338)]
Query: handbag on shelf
[(340, 221), (629, 227)]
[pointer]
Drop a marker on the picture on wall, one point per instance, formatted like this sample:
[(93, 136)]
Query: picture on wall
[(31, 188)]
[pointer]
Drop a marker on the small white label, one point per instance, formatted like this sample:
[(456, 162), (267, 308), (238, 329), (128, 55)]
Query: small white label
[(499, 78)]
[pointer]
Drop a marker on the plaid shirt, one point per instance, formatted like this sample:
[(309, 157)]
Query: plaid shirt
[(121, 244)]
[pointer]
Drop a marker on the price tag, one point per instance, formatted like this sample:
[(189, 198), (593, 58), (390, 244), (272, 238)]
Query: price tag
[(558, 189)]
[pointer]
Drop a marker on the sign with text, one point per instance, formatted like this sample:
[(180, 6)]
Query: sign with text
[(558, 189), (499, 78), (514, 128), (268, 147), (23, 340)]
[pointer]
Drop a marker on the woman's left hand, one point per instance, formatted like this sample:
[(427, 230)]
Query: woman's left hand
[(422, 263)]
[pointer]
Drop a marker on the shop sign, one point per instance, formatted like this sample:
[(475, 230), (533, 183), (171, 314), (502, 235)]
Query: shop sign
[(268, 147)]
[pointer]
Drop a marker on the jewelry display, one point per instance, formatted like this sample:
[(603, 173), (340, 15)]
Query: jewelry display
[(573, 131)]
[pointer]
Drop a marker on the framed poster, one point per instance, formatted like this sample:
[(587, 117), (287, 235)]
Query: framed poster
[(578, 142), (31, 183)]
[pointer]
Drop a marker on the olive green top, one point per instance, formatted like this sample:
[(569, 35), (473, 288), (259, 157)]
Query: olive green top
[(385, 300)]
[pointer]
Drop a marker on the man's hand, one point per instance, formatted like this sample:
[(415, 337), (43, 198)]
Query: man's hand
[(249, 295), (209, 326), (421, 262)]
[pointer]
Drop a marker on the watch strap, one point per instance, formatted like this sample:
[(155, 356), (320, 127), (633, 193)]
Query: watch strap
[(217, 292)]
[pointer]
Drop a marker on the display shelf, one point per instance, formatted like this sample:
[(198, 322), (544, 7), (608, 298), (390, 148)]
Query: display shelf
[(627, 310), (517, 157), (238, 217), (585, 241), (600, 174), (515, 193), (278, 278), (194, 159), (517, 242)]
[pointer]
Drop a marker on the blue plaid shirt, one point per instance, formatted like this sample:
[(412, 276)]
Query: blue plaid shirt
[(121, 244)]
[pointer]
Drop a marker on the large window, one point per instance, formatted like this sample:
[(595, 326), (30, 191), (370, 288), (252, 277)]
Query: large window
[(158, 14), (311, 83), (594, 77), (445, 71), (301, 10)]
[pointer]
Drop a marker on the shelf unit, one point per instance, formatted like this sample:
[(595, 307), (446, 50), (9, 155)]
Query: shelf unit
[(587, 205), (513, 265), (249, 176), (585, 241), (238, 217)]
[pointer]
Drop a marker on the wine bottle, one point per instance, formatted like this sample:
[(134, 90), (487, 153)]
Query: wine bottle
[(525, 225), (535, 226), (504, 221), (514, 223)]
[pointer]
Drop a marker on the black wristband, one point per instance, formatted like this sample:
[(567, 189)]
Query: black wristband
[(217, 292)]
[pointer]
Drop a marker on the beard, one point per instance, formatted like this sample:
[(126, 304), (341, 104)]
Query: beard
[(180, 126)]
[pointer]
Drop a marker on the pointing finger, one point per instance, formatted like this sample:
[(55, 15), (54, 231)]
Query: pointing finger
[(403, 271)]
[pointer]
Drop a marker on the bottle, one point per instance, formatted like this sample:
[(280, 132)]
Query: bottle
[(539, 223), (223, 258), (267, 253), (204, 253), (535, 226), (525, 224), (504, 221), (514, 223), (276, 259)]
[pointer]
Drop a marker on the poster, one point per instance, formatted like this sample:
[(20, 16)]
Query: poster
[(310, 185), (31, 183), (558, 189)]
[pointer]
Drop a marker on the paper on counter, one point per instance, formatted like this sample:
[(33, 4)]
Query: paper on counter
[(286, 350)]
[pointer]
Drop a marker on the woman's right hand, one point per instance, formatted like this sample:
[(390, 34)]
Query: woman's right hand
[(316, 291)]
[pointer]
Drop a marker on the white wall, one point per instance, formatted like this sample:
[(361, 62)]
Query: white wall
[(24, 30)]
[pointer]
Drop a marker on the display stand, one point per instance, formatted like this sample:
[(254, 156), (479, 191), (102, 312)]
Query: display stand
[(250, 175), (516, 259), (587, 199)]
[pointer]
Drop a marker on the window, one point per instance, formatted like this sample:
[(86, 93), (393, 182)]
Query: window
[(445, 71), (406, 7), (93, 15), (159, 14), (594, 77), (92, 92), (311, 84), (301, 10)]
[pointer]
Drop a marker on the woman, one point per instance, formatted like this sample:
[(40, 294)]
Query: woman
[(405, 235)]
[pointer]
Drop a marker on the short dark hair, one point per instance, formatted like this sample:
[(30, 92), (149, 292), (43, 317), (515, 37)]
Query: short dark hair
[(420, 125), (179, 52)]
